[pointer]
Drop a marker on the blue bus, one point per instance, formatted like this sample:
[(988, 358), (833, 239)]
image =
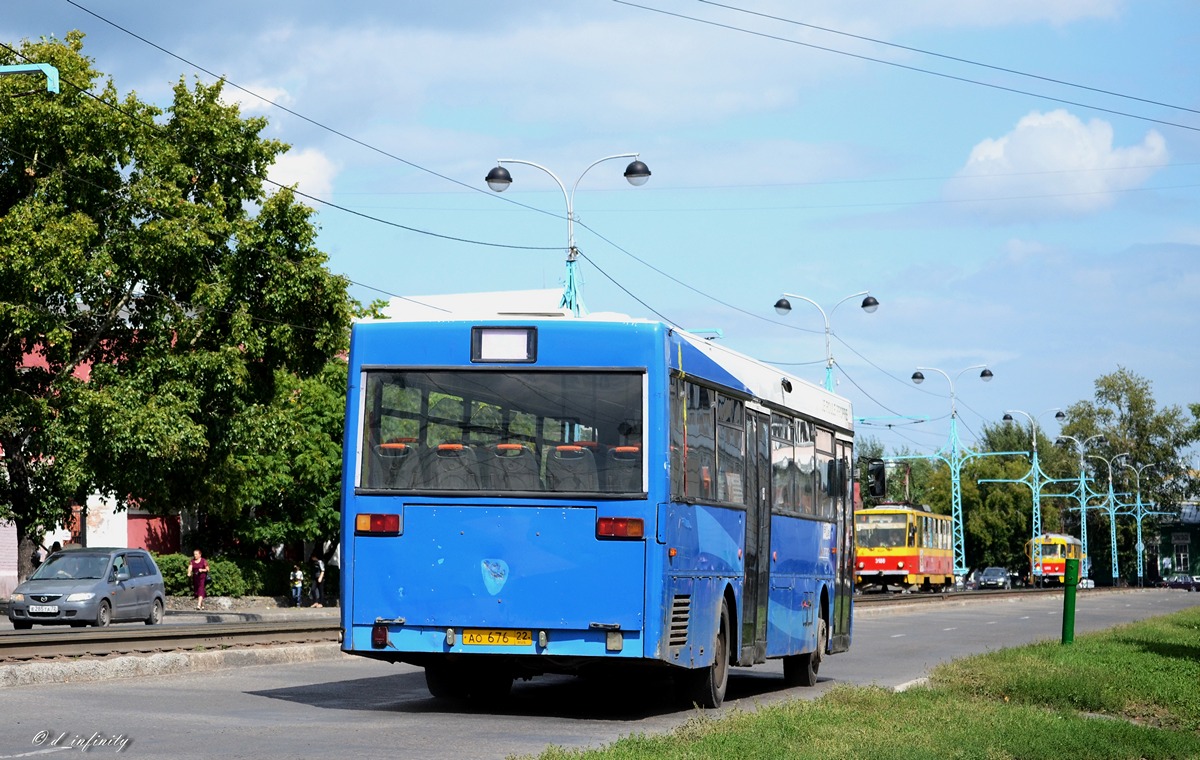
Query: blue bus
[(566, 495)]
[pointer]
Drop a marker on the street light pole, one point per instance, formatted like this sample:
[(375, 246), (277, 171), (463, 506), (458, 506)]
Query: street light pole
[(869, 305), (1081, 494), (955, 461), (1111, 507), (499, 179), (1035, 483), (1140, 511)]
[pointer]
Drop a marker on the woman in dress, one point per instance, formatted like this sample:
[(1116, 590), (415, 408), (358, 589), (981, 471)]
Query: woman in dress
[(198, 572)]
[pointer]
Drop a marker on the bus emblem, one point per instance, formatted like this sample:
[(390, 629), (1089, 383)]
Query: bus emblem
[(495, 573)]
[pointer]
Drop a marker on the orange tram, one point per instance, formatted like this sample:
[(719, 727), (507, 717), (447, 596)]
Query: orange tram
[(1057, 548), (903, 546)]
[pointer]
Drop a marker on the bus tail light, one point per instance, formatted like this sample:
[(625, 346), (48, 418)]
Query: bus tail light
[(620, 527), (376, 525), (379, 636)]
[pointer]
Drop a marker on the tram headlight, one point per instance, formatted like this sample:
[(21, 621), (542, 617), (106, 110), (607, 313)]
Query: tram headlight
[(862, 565), (900, 565)]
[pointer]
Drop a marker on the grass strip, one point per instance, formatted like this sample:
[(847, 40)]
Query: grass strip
[(1128, 692)]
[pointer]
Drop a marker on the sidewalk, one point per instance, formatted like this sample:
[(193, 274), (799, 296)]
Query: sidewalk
[(223, 609)]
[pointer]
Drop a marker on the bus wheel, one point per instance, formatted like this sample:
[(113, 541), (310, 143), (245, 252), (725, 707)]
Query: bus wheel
[(706, 687), (446, 680), (801, 669)]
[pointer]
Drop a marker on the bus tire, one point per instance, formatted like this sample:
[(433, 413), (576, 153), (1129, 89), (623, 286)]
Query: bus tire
[(705, 687), (446, 680), (801, 669)]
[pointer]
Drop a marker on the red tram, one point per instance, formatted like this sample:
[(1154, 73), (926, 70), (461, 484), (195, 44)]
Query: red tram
[(905, 546)]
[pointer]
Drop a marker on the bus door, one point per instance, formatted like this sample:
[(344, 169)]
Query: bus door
[(756, 589), (843, 570)]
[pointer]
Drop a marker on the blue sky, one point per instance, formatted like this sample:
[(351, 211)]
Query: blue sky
[(997, 224)]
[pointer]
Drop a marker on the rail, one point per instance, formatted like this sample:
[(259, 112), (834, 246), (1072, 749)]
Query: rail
[(47, 644)]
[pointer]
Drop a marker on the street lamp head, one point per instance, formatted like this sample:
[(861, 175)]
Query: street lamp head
[(870, 304), (498, 179), (918, 378), (783, 306), (637, 173), (1007, 417), (1060, 416), (986, 375)]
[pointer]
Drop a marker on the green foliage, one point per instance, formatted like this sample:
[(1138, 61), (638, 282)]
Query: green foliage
[(182, 315), (234, 577)]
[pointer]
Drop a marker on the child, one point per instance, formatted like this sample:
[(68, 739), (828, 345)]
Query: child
[(297, 578)]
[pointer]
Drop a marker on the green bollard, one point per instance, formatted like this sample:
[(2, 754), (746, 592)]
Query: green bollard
[(1070, 582)]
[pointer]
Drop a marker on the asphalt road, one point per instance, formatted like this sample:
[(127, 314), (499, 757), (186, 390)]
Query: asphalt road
[(348, 707)]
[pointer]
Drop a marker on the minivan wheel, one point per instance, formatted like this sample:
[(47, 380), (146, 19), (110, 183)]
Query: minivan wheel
[(103, 614), (156, 613)]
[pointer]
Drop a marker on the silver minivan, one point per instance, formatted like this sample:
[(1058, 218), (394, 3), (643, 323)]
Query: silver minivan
[(90, 586)]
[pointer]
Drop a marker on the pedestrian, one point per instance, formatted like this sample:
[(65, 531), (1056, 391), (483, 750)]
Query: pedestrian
[(297, 577), (198, 572), (318, 579)]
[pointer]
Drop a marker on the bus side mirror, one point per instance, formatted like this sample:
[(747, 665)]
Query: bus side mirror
[(877, 478)]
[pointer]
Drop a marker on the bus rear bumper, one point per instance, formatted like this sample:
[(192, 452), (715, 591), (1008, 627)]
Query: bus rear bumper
[(410, 643)]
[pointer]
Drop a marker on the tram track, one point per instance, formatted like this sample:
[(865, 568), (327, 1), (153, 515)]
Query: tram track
[(960, 597), (51, 645)]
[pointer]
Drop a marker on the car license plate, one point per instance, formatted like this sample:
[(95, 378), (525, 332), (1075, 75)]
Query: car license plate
[(493, 637), (43, 608)]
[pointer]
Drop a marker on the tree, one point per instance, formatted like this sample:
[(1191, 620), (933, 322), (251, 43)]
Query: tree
[(1125, 413), (155, 302)]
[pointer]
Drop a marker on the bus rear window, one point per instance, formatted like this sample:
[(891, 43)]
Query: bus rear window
[(500, 431)]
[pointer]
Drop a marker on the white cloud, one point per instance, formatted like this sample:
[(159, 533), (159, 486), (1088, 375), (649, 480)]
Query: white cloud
[(256, 103), (309, 169), (1053, 164)]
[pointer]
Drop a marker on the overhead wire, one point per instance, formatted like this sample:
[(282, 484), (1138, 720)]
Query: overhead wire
[(917, 69), (345, 209), (297, 191), (957, 59)]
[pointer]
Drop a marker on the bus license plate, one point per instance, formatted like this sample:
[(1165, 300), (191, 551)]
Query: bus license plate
[(492, 637), (43, 608)]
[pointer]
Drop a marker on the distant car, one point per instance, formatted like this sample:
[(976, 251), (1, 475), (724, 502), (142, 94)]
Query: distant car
[(90, 587), (994, 577), (1086, 583), (1189, 582)]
